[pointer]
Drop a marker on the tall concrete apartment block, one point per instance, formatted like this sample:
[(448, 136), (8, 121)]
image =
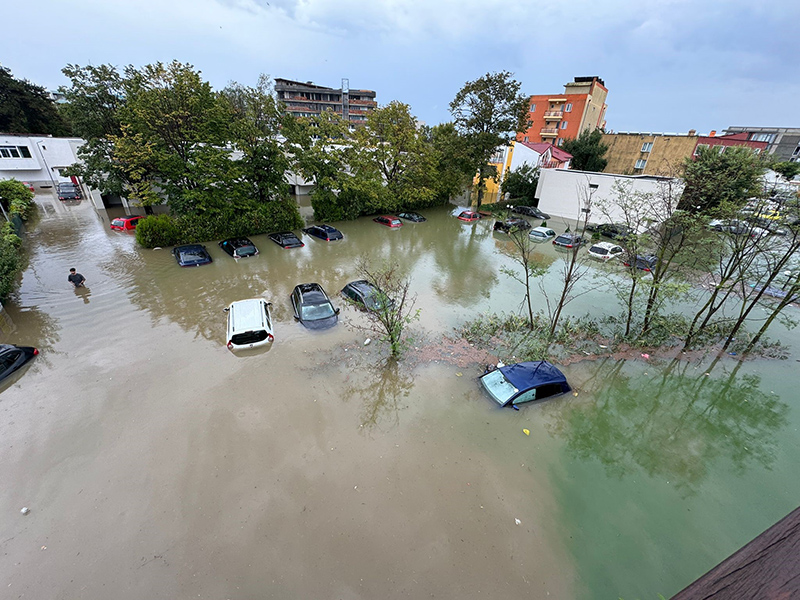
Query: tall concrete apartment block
[(555, 117), (306, 100), (782, 142)]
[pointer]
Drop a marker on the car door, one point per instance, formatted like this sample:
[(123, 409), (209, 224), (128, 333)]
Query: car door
[(9, 362), (524, 397)]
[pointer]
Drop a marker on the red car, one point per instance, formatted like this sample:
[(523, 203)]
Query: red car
[(126, 223), (389, 221), (469, 215)]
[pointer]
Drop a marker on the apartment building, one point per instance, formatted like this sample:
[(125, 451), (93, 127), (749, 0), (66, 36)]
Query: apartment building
[(782, 142), (307, 99), (663, 154), (556, 117)]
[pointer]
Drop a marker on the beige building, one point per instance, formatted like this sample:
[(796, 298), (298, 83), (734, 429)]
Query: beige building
[(648, 153)]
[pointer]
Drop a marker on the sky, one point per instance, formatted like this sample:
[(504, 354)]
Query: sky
[(669, 65)]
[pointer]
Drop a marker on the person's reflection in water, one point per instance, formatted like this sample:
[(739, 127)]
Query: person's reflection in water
[(83, 293)]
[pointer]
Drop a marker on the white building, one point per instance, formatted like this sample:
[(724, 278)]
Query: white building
[(563, 193)]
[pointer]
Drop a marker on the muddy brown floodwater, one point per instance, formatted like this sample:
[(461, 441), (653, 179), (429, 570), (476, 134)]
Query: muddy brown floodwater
[(157, 464)]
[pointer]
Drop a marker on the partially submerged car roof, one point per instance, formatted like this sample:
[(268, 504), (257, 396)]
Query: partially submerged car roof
[(526, 375)]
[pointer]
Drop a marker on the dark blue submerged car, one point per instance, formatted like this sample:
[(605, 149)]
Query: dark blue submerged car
[(524, 382), (191, 255)]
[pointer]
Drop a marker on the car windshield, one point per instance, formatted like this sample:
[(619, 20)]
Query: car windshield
[(313, 312), (395, 222), (598, 250), (498, 387), (246, 251), (118, 222), (193, 255)]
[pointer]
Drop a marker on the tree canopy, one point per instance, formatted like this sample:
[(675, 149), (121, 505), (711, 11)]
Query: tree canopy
[(26, 108), (587, 150)]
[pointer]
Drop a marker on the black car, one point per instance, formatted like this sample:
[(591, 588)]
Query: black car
[(191, 255), (530, 211), (643, 262), (13, 358), (615, 231), (312, 307), (510, 225), (286, 239), (68, 191), (568, 240), (366, 295), (239, 247), (412, 216), (324, 232)]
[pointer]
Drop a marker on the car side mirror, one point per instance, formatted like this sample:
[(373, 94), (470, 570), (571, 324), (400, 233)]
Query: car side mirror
[(337, 310), (296, 318), (226, 309)]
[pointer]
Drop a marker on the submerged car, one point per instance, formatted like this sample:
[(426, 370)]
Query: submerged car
[(412, 216), (239, 247), (389, 221), (469, 215), (605, 251), (312, 307), (568, 240), (615, 231), (68, 191), (191, 255), (126, 223), (249, 324), (510, 225), (644, 262), (286, 239), (13, 358), (524, 382), (530, 211), (324, 232), (366, 295), (541, 234)]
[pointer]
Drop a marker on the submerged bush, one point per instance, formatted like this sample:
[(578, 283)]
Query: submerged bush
[(10, 260), (166, 230), (16, 198)]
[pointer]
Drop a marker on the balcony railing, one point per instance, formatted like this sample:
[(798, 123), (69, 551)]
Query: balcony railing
[(553, 114), (549, 131)]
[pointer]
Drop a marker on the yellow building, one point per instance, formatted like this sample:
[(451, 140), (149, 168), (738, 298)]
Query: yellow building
[(648, 153)]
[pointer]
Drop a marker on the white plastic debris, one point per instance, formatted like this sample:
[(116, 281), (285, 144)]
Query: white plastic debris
[(25, 510), (367, 341), (517, 521)]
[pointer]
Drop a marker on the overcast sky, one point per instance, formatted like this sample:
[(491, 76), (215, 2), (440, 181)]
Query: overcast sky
[(669, 65)]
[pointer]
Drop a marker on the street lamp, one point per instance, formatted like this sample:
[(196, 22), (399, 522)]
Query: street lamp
[(49, 173)]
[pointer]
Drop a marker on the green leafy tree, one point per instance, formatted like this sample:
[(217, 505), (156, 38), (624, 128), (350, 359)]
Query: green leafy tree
[(254, 130), (520, 184), (455, 167), (587, 150), (26, 108), (16, 198), (717, 179), (489, 112)]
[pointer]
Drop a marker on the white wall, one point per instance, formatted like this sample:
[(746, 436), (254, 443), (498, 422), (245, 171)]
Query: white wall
[(562, 192)]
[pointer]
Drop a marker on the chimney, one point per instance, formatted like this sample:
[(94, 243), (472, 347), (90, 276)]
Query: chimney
[(692, 132), (712, 133)]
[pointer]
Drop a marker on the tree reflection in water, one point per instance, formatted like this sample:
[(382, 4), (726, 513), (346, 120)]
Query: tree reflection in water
[(382, 387), (674, 425)]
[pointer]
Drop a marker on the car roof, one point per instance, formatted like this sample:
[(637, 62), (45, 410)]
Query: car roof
[(247, 312), (526, 375), (242, 241), (604, 245), (362, 285), (542, 229)]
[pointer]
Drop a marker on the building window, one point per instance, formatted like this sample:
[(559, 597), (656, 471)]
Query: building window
[(756, 150), (568, 107), (647, 146), (525, 139), (533, 108), (762, 137), (697, 149), (559, 141), (640, 164), (563, 124)]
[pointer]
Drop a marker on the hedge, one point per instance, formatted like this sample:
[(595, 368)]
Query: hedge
[(10, 260), (168, 230)]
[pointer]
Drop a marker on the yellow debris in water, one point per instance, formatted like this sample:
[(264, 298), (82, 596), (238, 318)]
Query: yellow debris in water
[(459, 374), (526, 431)]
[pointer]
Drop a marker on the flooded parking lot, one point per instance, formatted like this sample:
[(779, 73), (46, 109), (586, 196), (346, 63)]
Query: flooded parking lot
[(157, 464)]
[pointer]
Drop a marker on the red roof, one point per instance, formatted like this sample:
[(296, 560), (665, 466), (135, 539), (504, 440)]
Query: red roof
[(541, 147)]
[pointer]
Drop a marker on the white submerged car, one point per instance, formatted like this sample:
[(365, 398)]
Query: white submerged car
[(605, 251), (249, 324), (541, 234)]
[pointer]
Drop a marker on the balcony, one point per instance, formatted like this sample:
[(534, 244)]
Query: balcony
[(550, 115), (549, 132)]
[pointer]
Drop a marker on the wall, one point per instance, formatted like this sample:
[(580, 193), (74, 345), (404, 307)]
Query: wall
[(665, 158), (562, 192)]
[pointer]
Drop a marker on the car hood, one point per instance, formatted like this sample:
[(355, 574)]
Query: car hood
[(325, 323)]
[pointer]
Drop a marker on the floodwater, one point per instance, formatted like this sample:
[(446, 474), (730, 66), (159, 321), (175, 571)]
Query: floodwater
[(157, 464)]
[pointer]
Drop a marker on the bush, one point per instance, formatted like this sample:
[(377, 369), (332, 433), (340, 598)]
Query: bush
[(16, 198), (10, 260), (166, 230)]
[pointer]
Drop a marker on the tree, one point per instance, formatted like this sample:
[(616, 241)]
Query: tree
[(254, 129), (16, 198), (27, 108), (522, 253), (455, 168), (587, 151), (394, 304), (489, 112), (788, 170), (520, 184), (717, 178)]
